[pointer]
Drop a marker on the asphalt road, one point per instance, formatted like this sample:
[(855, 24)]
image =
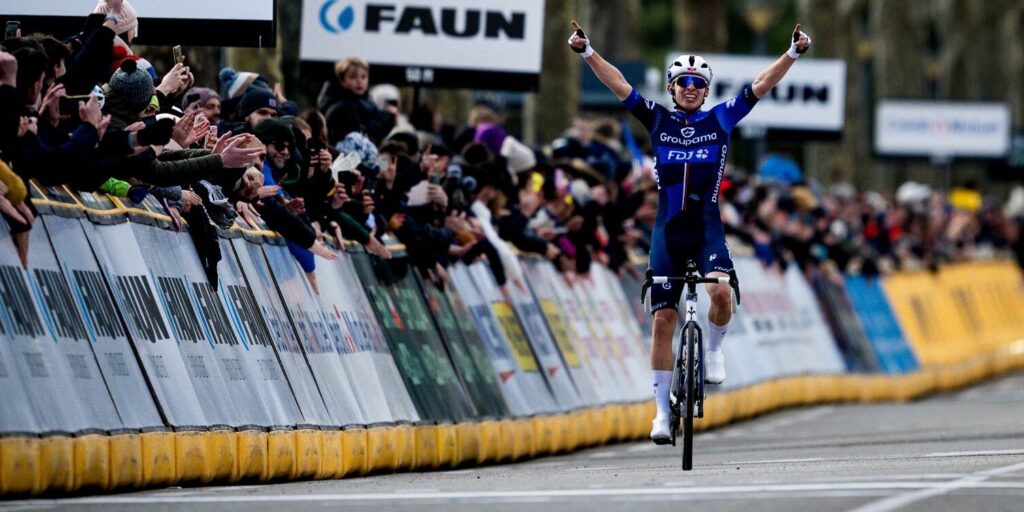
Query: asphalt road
[(963, 451)]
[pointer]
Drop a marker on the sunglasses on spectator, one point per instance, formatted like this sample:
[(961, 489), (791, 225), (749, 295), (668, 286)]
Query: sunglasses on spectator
[(281, 145), (698, 82)]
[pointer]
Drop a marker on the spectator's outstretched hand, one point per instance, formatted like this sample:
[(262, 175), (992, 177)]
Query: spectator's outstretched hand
[(235, 156), (321, 250), (374, 247)]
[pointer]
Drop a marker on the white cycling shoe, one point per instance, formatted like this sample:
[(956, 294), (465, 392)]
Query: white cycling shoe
[(714, 367), (659, 429)]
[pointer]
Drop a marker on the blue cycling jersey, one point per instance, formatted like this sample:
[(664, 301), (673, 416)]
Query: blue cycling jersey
[(690, 150)]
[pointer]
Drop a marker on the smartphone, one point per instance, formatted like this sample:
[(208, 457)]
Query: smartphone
[(371, 185), (68, 105), (192, 98), (149, 121), (12, 30), (435, 179), (179, 58)]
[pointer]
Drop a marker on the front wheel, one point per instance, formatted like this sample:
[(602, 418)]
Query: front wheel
[(690, 385)]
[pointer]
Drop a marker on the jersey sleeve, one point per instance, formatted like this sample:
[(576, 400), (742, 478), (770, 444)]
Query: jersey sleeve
[(643, 109), (729, 113)]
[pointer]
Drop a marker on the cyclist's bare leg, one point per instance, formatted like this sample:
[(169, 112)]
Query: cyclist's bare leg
[(721, 301), (661, 339), (661, 365), (718, 324)]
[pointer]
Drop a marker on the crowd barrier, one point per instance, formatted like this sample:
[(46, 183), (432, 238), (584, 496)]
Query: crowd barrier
[(122, 367)]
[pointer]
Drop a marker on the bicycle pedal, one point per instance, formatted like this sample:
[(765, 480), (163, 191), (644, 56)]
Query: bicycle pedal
[(661, 441)]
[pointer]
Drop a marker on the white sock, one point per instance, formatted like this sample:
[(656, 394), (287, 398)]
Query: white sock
[(715, 335), (662, 383)]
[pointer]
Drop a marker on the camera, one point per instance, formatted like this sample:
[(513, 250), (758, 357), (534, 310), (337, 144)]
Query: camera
[(453, 187), (12, 30)]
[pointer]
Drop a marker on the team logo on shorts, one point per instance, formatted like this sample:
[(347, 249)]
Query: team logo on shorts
[(666, 286), (712, 258)]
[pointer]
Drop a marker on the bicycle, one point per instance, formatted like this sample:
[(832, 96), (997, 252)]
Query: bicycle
[(688, 372)]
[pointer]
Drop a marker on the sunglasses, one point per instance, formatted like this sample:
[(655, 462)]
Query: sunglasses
[(698, 82), (282, 145)]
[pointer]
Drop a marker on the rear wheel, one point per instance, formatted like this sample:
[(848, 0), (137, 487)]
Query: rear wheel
[(689, 383)]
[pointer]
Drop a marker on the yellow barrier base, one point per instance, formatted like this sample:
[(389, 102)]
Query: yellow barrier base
[(281, 457), (61, 464), (253, 462), (468, 442), (158, 459), (426, 446), (331, 460), (92, 462), (222, 450), (190, 457), (56, 467), (353, 452), (20, 466), (125, 461)]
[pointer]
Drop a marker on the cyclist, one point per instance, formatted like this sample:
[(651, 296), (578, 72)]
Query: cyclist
[(690, 148)]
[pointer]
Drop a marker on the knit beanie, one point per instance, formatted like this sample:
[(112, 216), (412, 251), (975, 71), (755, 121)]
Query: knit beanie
[(255, 99), (133, 86), (203, 93), (233, 84)]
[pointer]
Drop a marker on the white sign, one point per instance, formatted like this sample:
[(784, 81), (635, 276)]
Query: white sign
[(477, 35), (254, 10), (942, 129), (811, 97)]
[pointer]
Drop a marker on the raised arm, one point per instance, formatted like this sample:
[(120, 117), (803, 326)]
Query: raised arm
[(778, 69), (608, 74)]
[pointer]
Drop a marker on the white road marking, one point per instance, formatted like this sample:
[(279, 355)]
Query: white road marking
[(975, 480), (976, 454), (921, 490), (642, 448), (604, 455)]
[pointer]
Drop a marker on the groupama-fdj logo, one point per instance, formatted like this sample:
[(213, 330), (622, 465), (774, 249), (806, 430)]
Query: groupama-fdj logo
[(460, 23)]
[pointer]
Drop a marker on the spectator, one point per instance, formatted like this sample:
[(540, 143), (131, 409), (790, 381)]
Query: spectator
[(347, 107)]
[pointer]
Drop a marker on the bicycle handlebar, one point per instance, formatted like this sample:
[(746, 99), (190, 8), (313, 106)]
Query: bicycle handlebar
[(715, 280), (651, 279)]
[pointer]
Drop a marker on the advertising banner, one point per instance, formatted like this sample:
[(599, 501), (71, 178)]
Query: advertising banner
[(124, 268), (113, 352), (185, 22), (307, 317), (353, 346), (880, 325), (34, 367), (419, 352), (517, 384), (582, 374), (286, 343), (626, 339), (846, 326), (531, 319), (364, 321), (475, 372), (256, 342), (483, 44), (811, 97), (942, 129), (608, 374), (223, 388)]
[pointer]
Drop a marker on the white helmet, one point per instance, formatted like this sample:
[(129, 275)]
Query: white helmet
[(689, 65)]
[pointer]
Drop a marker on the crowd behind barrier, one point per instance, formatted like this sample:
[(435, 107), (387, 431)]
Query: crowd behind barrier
[(198, 284)]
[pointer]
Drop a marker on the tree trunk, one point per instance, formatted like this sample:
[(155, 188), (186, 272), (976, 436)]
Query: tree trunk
[(700, 26), (557, 102)]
